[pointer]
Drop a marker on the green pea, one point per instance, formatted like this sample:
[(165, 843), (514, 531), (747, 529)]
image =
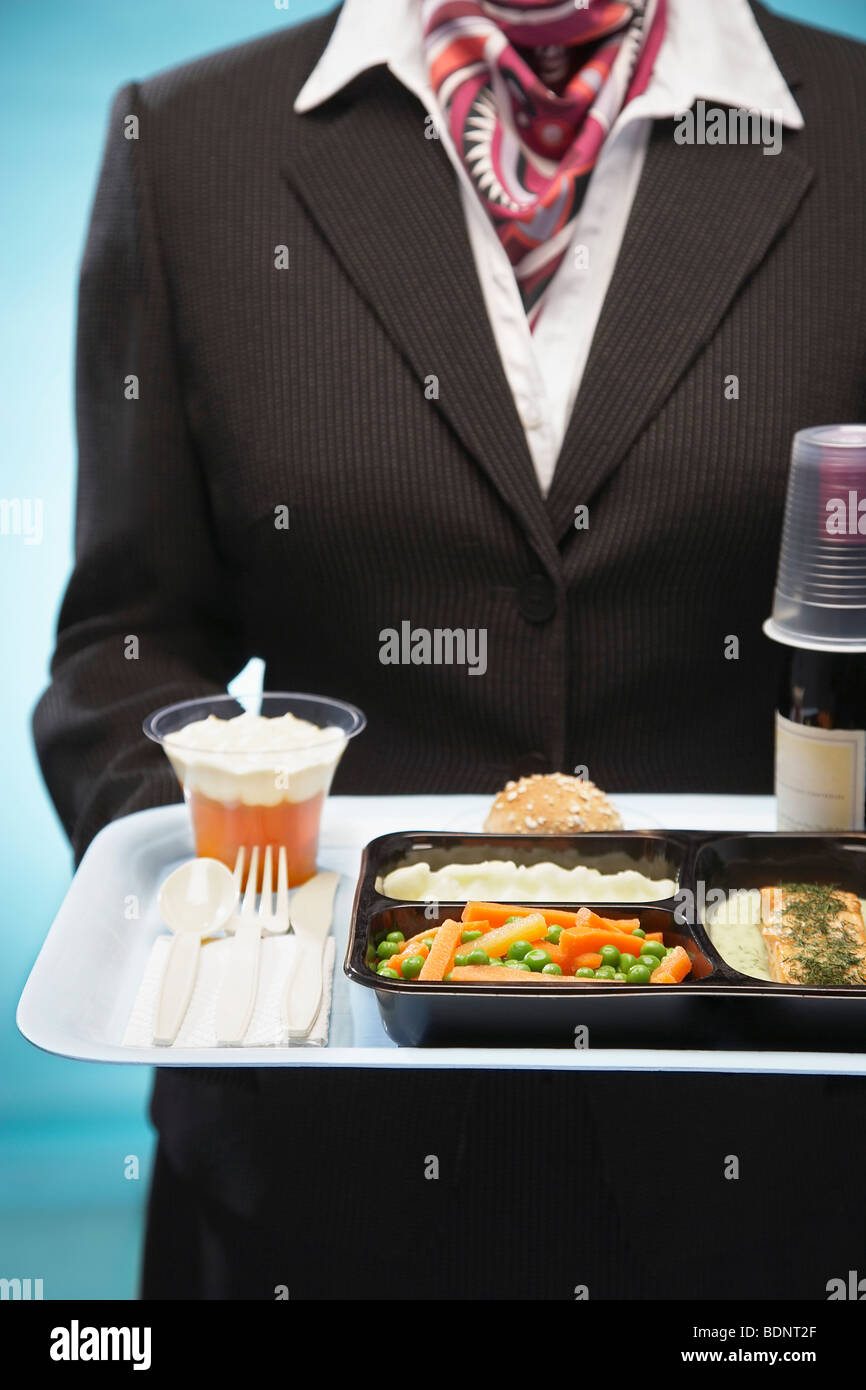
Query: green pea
[(537, 959), (605, 972), (626, 962), (387, 973), (386, 949), (471, 935), (412, 967), (638, 931), (653, 948), (516, 965), (478, 958), (639, 975), (551, 968), (510, 919), (461, 959), (585, 972), (553, 935), (618, 975), (610, 956), (395, 936), (518, 949)]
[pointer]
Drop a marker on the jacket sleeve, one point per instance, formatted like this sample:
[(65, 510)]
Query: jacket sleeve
[(147, 617)]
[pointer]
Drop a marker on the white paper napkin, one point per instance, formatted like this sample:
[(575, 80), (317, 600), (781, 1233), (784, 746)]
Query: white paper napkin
[(199, 1027)]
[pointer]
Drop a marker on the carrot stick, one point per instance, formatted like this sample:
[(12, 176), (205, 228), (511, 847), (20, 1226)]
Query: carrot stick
[(672, 969), (420, 936), (501, 974), (587, 920), (443, 950), (579, 943), (496, 942), (497, 914), (623, 924)]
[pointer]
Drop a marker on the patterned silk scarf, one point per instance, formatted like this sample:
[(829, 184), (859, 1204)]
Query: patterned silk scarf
[(530, 89)]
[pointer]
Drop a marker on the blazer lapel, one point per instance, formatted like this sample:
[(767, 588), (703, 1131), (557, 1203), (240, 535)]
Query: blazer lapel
[(387, 200), (703, 219)]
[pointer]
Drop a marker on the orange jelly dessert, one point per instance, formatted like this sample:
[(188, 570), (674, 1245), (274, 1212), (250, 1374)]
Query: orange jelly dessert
[(221, 829), (255, 781)]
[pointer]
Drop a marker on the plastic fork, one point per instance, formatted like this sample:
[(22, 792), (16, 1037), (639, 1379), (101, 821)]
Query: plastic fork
[(237, 996)]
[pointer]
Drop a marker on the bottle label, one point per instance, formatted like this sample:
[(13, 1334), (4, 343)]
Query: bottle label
[(820, 777)]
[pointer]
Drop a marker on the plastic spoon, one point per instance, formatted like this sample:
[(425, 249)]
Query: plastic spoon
[(195, 901)]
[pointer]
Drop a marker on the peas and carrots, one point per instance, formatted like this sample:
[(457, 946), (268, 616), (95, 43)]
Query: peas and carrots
[(547, 943)]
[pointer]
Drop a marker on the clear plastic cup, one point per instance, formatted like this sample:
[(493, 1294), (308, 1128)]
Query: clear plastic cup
[(820, 598), (250, 776)]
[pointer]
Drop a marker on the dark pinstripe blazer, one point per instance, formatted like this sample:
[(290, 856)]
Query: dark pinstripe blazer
[(304, 387)]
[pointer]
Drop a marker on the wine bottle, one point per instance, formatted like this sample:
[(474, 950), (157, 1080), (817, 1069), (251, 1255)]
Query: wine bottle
[(819, 614), (821, 741)]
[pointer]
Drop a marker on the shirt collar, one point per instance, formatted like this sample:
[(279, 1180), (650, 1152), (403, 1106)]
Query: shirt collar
[(717, 52), (712, 51), (365, 36)]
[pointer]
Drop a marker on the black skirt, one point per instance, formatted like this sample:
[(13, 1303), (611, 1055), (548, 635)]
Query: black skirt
[(326, 1183)]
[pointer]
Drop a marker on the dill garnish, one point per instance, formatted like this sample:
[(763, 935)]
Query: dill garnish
[(826, 951)]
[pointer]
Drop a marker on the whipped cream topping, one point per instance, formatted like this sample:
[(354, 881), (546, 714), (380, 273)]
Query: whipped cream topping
[(255, 759)]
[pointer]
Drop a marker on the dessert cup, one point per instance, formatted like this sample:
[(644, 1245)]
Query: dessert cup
[(256, 770)]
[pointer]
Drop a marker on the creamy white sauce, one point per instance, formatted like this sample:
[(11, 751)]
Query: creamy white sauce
[(254, 759), (498, 880), (734, 927)]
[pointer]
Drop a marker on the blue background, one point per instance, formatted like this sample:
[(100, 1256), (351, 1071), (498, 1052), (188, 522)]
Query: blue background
[(67, 1214)]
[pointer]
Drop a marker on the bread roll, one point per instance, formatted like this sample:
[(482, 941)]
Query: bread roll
[(551, 805)]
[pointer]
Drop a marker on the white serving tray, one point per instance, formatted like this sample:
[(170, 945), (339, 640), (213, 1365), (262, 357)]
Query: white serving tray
[(81, 989)]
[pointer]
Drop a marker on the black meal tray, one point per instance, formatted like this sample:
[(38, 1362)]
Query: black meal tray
[(716, 1007)]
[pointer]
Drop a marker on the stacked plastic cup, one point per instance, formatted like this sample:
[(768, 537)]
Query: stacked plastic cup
[(820, 598)]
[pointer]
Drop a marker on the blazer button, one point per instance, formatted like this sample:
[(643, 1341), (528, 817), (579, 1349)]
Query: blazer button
[(531, 763), (536, 598)]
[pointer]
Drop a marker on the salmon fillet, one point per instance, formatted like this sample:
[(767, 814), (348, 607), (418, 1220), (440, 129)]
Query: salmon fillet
[(815, 935)]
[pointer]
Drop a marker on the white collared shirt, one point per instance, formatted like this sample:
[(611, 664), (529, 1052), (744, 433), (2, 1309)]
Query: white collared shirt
[(710, 51)]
